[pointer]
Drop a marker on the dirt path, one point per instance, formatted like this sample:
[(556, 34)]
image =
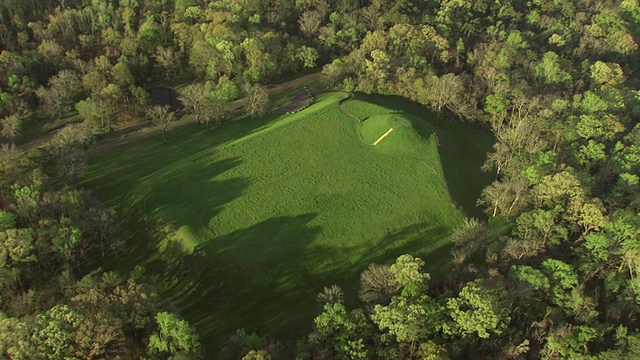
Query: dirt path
[(140, 132)]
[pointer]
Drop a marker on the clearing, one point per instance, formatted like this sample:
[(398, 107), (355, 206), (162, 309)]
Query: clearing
[(243, 225)]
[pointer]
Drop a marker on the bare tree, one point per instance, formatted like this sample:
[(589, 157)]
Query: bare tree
[(161, 116), (257, 99), (194, 98)]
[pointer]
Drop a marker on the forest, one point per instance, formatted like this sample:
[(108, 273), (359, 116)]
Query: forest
[(549, 269)]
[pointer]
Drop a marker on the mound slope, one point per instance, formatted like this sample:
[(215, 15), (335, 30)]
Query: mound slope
[(251, 220)]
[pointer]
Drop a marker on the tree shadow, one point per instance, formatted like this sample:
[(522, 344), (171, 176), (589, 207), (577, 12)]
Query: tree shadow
[(159, 205), (266, 277), (252, 278)]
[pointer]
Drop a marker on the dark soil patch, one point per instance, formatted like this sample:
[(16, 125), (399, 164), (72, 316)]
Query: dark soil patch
[(164, 96)]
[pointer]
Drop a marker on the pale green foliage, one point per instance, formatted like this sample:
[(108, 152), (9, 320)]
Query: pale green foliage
[(72, 135), (407, 270), (16, 341), (550, 70), (19, 244), (567, 342), (257, 355), (226, 89), (174, 336), (408, 320), (431, 351), (590, 152), (65, 237), (590, 103), (566, 291), (11, 127), (589, 127), (536, 230), (28, 199), (335, 330), (482, 308), (563, 189), (532, 276), (97, 113), (308, 56), (55, 332), (603, 73)]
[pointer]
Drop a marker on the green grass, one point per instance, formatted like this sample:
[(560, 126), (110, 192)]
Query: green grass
[(242, 226)]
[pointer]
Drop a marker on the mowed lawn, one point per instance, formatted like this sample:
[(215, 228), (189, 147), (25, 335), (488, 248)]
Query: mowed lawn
[(243, 225)]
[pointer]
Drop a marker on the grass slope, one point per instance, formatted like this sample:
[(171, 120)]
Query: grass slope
[(249, 221)]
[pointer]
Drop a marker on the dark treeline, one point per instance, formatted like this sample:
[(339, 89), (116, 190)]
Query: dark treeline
[(552, 274)]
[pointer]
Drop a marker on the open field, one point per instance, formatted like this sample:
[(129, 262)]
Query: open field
[(250, 220)]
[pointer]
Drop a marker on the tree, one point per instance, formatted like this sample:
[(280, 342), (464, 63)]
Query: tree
[(308, 56), (331, 295), (55, 331), (335, 335), (481, 308), (161, 116), (409, 320), (194, 99), (11, 127), (310, 22), (550, 71), (167, 60), (96, 113), (257, 99), (378, 285), (443, 91), (174, 336), (58, 97), (215, 110)]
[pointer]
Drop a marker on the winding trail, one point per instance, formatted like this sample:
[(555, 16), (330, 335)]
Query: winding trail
[(349, 114)]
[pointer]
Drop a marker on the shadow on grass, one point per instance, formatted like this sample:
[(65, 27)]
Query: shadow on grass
[(249, 278), (160, 205), (463, 151), (266, 277), (188, 195)]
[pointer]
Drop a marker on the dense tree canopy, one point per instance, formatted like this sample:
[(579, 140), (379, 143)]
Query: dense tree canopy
[(553, 271)]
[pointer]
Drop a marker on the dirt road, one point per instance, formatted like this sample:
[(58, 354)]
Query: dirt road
[(139, 132)]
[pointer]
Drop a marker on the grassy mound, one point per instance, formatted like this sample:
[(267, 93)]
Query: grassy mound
[(403, 138), (249, 221)]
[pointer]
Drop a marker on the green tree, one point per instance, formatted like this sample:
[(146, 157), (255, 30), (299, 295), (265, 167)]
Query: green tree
[(335, 334), (174, 336), (409, 320), (55, 331), (481, 308), (550, 71), (308, 56)]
